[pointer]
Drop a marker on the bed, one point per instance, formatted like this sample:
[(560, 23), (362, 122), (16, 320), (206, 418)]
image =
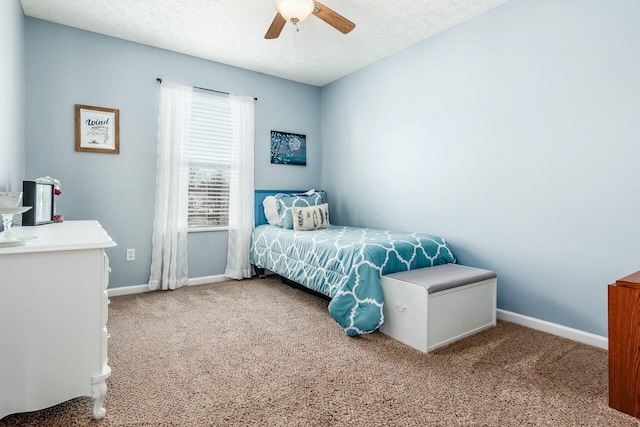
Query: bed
[(342, 262)]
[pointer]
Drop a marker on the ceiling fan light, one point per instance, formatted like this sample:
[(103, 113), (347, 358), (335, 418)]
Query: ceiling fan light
[(298, 10)]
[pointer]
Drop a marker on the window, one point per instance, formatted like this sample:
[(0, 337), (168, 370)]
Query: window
[(210, 150), (204, 179)]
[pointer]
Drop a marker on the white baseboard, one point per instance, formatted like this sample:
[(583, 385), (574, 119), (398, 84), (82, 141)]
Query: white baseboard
[(127, 290), (555, 329), (138, 289), (207, 279)]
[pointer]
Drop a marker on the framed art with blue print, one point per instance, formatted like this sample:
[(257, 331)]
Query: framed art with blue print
[(288, 148)]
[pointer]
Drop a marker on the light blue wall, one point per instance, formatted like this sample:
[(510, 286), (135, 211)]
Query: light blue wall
[(12, 102), (516, 136), (66, 66)]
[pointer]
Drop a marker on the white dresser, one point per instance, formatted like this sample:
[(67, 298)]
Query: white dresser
[(53, 316)]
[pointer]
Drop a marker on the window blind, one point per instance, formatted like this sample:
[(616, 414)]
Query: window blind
[(210, 139)]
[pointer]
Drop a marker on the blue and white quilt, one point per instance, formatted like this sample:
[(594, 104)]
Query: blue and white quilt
[(346, 263)]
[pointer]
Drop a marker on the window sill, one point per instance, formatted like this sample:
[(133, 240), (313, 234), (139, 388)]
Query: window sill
[(206, 229)]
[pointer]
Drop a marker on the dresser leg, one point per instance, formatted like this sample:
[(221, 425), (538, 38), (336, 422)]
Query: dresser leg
[(98, 393)]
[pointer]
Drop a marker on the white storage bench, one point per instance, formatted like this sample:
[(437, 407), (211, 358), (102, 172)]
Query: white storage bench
[(434, 306)]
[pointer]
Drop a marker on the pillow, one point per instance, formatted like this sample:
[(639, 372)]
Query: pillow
[(271, 210), (311, 218), (286, 202)]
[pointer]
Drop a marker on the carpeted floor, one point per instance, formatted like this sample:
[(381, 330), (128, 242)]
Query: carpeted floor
[(257, 352)]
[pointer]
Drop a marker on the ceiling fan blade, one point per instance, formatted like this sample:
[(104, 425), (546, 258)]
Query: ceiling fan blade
[(332, 18), (276, 27)]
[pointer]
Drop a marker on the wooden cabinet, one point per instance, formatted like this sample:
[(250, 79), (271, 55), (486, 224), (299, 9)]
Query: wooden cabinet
[(53, 316), (624, 345)]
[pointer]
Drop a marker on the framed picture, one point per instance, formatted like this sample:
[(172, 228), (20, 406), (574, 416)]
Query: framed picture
[(97, 129), (288, 148), (40, 197)]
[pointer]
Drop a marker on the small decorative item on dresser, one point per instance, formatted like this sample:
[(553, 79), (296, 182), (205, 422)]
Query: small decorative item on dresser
[(10, 206), (10, 199), (39, 196), (57, 190)]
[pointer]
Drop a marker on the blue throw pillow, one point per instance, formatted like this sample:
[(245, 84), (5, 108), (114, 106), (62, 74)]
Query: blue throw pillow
[(287, 201)]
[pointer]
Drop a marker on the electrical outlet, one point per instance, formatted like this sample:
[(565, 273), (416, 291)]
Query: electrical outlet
[(131, 254)]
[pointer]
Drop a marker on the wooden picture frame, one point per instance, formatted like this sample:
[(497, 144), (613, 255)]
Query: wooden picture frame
[(97, 129)]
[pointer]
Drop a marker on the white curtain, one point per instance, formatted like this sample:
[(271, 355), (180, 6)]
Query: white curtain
[(241, 188), (169, 242)]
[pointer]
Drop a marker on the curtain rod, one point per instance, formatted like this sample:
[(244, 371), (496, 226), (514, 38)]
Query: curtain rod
[(159, 80)]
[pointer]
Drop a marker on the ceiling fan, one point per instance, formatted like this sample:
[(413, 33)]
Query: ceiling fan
[(296, 11)]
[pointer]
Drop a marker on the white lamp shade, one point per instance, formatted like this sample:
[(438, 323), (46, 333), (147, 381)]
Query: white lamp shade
[(299, 9)]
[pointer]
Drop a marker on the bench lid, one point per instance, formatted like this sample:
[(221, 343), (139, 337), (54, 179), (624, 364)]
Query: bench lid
[(445, 276)]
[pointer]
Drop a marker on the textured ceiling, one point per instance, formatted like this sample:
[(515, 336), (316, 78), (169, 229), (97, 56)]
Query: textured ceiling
[(232, 31)]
